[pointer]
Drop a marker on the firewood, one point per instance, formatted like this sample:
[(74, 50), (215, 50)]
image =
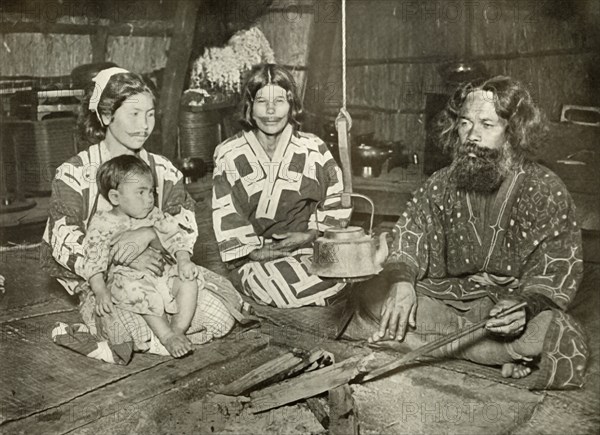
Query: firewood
[(307, 385), (343, 418), (277, 369), (319, 408)]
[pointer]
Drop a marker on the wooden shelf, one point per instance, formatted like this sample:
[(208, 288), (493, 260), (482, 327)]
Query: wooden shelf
[(390, 192)]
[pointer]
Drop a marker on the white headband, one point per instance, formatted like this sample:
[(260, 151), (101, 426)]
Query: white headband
[(101, 79)]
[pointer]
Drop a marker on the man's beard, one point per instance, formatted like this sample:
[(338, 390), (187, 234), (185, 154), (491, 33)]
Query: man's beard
[(483, 173)]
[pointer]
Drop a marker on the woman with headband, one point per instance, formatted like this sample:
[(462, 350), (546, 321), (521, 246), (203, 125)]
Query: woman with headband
[(118, 116)]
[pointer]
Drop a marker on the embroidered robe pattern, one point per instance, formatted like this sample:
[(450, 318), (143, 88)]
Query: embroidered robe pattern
[(522, 241), (255, 197)]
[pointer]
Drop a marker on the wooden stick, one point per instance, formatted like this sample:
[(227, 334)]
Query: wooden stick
[(180, 50), (343, 418), (282, 366), (319, 411), (436, 344), (306, 385), (344, 151)]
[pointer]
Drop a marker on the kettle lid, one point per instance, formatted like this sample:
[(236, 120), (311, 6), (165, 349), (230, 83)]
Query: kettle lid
[(347, 233)]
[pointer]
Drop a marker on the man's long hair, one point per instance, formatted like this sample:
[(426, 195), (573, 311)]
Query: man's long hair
[(512, 102)]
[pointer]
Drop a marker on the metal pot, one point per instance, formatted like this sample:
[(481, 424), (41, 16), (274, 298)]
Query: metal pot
[(348, 254), (192, 168), (456, 72), (368, 160)]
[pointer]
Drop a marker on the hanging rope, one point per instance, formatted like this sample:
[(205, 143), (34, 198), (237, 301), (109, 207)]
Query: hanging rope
[(343, 123), (344, 54), (343, 110)]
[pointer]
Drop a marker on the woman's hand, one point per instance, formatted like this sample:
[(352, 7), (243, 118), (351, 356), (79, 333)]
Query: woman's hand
[(267, 253), (128, 245), (150, 260), (103, 302), (508, 325), (293, 240), (399, 309)]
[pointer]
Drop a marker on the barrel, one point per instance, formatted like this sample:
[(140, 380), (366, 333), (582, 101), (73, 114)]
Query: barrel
[(199, 133)]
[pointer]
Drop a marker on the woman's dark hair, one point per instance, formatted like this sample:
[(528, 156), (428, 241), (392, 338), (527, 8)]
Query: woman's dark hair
[(269, 74), (112, 173), (118, 89), (512, 102)]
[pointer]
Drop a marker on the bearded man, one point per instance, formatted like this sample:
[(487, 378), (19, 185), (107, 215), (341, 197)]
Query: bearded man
[(490, 231)]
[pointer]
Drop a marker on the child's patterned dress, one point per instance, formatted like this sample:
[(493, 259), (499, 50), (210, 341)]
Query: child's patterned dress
[(132, 290)]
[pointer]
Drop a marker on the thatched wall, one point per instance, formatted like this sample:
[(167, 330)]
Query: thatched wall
[(42, 55), (138, 53), (394, 48), (49, 55), (35, 44)]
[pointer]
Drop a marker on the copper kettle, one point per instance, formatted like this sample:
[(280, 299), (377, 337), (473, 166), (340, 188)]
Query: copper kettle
[(348, 254)]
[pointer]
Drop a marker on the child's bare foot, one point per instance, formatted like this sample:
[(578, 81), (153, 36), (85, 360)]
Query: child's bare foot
[(177, 344), (515, 370)]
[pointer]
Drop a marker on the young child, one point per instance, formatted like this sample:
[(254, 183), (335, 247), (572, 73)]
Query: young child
[(166, 302)]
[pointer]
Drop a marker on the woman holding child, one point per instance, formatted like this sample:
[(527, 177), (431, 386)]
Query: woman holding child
[(118, 115)]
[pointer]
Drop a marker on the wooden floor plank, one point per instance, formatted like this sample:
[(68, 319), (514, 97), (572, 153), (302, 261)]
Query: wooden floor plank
[(123, 394), (37, 374)]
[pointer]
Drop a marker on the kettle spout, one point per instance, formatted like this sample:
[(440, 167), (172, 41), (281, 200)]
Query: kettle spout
[(382, 251)]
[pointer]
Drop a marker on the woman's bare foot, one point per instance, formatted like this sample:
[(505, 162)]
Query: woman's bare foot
[(515, 370), (177, 344)]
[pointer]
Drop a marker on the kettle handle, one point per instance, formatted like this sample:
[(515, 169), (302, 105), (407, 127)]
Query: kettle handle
[(339, 195)]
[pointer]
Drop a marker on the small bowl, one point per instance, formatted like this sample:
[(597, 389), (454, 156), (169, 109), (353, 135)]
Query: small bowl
[(461, 72)]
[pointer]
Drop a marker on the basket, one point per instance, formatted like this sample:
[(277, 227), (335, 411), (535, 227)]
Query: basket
[(40, 148), (199, 133)]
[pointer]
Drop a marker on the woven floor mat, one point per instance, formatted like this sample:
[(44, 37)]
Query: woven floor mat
[(25, 283), (37, 374)]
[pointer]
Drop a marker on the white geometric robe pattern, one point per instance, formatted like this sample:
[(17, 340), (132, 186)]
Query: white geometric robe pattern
[(75, 200), (523, 240), (255, 196)]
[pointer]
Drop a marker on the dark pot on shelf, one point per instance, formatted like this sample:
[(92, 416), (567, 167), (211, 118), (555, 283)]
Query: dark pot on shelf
[(368, 160), (456, 72), (192, 168)]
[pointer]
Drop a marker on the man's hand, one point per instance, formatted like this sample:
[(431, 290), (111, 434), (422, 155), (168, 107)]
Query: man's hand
[(149, 261), (508, 325), (399, 309), (103, 302), (293, 240), (128, 245), (187, 270)]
